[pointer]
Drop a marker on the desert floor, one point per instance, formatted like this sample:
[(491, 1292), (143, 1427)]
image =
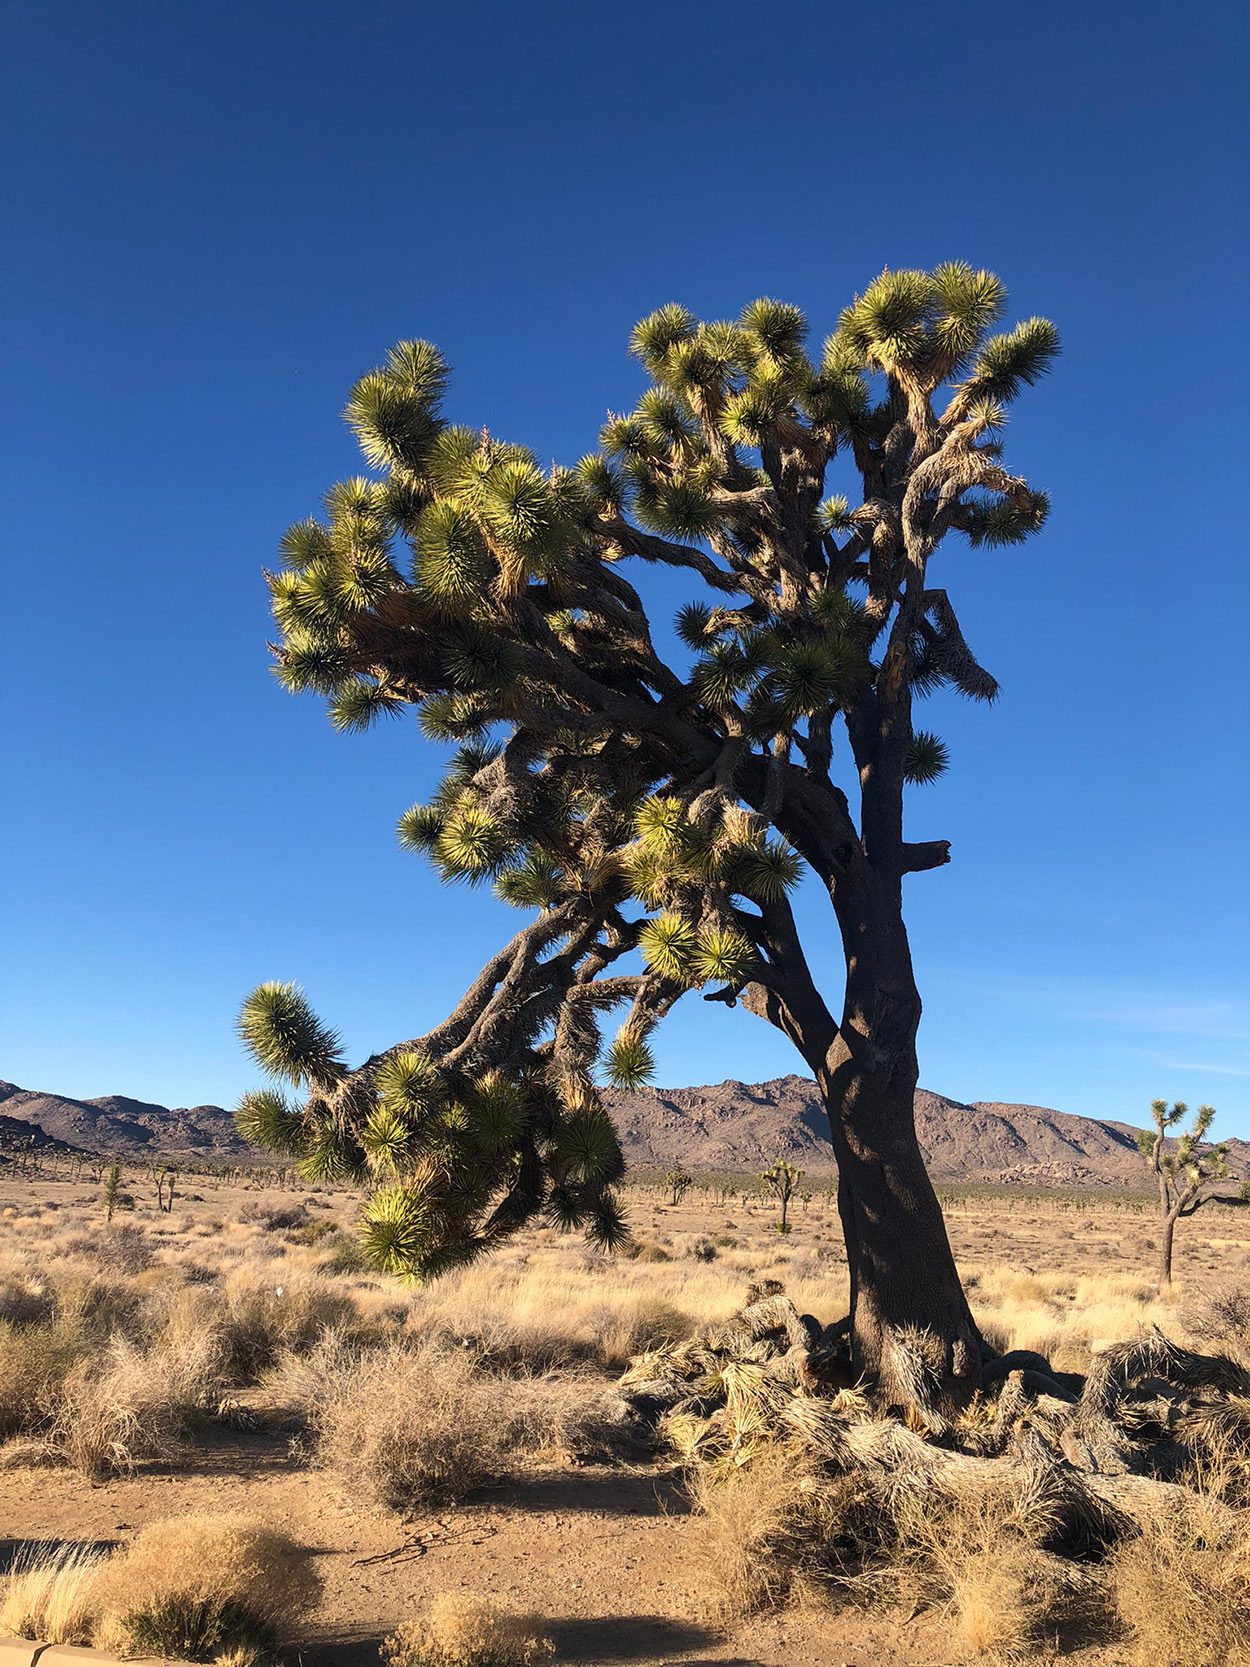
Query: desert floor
[(609, 1555)]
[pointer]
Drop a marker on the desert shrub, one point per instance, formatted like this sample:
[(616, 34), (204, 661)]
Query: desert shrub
[(99, 1303), (261, 1318), (132, 1403), (977, 1558), (200, 1587), (406, 1426), (308, 1382), (649, 1323), (702, 1250), (272, 1218), (35, 1361), (345, 1255), (755, 1532), (49, 1594), (646, 1250), (1223, 1316), (1181, 1590), (25, 1299), (122, 1248), (310, 1232), (461, 1630)]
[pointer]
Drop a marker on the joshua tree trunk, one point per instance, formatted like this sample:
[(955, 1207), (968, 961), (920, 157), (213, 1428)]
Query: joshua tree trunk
[(908, 1308), (907, 1302), (1165, 1247)]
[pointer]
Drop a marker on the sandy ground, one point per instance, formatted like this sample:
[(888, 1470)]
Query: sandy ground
[(609, 1557)]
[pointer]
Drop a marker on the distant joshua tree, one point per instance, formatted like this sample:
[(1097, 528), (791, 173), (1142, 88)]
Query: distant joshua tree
[(782, 1181), (1184, 1173), (112, 1183), (679, 1184)]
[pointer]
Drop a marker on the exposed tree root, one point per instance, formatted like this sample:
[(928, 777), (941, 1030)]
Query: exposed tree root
[(1079, 1462)]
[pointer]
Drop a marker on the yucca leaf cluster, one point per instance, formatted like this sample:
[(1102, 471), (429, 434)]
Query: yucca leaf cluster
[(451, 1161)]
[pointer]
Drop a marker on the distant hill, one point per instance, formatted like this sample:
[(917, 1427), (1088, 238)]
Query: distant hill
[(744, 1126), (127, 1128), (731, 1125)]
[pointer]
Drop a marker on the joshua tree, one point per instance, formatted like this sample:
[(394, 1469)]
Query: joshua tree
[(1183, 1173), (642, 800), (679, 1184), (112, 1182), (782, 1180)]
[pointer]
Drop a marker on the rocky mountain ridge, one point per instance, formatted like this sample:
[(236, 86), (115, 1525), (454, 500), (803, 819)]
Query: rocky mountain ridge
[(730, 1126)]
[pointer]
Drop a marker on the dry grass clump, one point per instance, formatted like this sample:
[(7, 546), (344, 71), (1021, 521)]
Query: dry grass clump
[(35, 1361), (979, 1559), (1181, 1591), (778, 1527), (49, 1594), (406, 1424), (133, 1403), (403, 1426), (120, 1248), (765, 1527), (198, 1587), (460, 1629), (1223, 1317)]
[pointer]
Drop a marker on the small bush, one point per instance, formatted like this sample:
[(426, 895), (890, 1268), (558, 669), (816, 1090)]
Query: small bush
[(118, 1248), (461, 1630), (202, 1586), (274, 1218), (751, 1545), (1224, 1316), (134, 1402), (35, 1361), (345, 1254), (1181, 1591), (407, 1426)]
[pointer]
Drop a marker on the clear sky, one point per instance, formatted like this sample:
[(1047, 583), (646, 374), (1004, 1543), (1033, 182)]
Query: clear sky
[(217, 215)]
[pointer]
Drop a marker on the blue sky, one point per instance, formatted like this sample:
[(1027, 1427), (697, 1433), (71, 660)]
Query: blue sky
[(216, 216)]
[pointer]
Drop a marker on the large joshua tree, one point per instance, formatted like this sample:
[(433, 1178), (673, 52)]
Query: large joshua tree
[(653, 806)]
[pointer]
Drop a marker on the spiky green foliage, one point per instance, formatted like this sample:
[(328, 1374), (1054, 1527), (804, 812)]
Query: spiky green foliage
[(267, 1118), (651, 816), (285, 1037), (927, 757), (629, 1062), (668, 944)]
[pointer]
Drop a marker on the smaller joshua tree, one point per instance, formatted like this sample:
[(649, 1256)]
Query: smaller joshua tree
[(112, 1183), (1183, 1172), (782, 1180), (679, 1184)]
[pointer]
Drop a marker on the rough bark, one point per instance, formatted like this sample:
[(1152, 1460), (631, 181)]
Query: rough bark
[(1166, 1240), (909, 1315)]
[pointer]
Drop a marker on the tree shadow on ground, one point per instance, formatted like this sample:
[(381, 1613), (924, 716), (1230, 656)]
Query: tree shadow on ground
[(610, 1492), (627, 1638)]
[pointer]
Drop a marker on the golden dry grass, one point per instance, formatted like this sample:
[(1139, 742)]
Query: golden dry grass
[(197, 1587), (460, 1629), (49, 1595), (1181, 1592), (413, 1394)]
